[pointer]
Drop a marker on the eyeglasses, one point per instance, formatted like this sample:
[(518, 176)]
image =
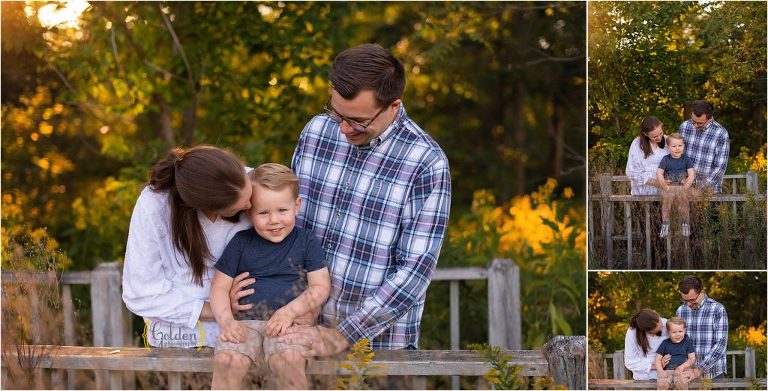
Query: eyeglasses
[(356, 125), (699, 123), (692, 301)]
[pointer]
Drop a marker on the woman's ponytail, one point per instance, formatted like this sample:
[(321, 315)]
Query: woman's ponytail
[(202, 178)]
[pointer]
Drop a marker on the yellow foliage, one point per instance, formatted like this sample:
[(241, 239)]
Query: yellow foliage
[(752, 336), (359, 366)]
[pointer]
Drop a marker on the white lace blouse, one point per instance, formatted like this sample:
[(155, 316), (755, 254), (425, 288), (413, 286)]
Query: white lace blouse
[(641, 364), (640, 169)]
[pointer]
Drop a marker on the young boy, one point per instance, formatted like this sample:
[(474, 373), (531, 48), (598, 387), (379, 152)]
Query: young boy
[(677, 371), (676, 168), (277, 254)]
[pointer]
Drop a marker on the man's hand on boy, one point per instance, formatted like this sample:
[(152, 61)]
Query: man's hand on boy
[(237, 292), (280, 321), (233, 331)]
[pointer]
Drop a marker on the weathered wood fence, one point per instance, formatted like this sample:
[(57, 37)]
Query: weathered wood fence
[(613, 364), (616, 376), (606, 191), (112, 322), (563, 358)]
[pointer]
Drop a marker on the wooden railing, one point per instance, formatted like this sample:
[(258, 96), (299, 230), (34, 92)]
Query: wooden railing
[(112, 321), (607, 190), (615, 361), (562, 358)]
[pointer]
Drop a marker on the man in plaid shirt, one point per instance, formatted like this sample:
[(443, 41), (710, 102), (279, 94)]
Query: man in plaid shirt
[(707, 145), (706, 324), (377, 192)]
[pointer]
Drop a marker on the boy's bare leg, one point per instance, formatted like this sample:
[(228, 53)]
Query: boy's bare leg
[(667, 197), (229, 370), (289, 368), (683, 205)]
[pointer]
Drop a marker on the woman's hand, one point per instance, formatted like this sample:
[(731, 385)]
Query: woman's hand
[(237, 292), (320, 341), (665, 360)]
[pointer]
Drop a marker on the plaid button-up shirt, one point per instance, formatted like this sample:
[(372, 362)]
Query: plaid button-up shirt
[(381, 212), (707, 326), (708, 149)]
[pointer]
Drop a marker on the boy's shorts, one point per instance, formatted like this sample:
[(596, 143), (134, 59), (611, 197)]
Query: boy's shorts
[(257, 345), (678, 381)]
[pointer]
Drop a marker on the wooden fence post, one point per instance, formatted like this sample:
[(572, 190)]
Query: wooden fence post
[(619, 371), (504, 304), (108, 312), (749, 362), (628, 231), (566, 357), (752, 183), (606, 218)]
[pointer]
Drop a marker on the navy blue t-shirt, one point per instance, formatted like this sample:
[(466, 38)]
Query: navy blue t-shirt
[(679, 351), (279, 268), (675, 170)]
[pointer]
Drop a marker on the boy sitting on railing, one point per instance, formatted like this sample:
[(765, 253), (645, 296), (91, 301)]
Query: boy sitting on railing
[(277, 254), (675, 176)]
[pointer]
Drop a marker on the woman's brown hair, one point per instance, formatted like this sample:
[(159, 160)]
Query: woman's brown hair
[(644, 321), (649, 123), (202, 178)]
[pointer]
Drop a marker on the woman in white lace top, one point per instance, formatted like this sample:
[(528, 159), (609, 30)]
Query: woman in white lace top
[(645, 153), (646, 332)]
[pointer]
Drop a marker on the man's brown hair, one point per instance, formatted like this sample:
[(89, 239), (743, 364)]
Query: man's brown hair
[(690, 282), (368, 67), (702, 107)]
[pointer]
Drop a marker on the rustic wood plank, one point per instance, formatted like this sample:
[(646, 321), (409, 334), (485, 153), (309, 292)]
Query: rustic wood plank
[(566, 360), (69, 327), (394, 362), (606, 218), (648, 259), (37, 337), (628, 230), (624, 178), (174, 380), (419, 382), (504, 304), (651, 384), (454, 313), (66, 278), (115, 380), (590, 228), (637, 198), (460, 273)]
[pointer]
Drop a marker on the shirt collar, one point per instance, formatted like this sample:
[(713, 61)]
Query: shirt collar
[(389, 131)]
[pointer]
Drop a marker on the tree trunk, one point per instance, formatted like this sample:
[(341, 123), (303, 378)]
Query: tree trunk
[(520, 136), (556, 130), (189, 122), (164, 120)]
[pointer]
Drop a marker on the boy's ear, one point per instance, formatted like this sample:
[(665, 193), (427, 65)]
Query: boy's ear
[(298, 204)]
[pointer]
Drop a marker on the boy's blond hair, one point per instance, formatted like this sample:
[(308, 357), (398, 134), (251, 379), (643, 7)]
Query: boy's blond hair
[(675, 320), (677, 136), (275, 176)]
